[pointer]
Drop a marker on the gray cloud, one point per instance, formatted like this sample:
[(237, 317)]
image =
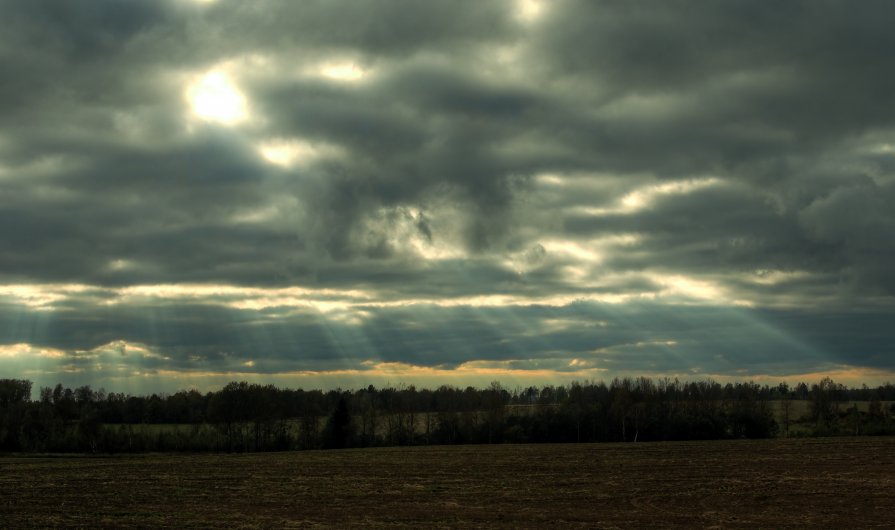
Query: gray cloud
[(622, 338), (729, 162)]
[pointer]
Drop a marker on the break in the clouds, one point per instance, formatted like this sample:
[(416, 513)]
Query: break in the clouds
[(338, 193)]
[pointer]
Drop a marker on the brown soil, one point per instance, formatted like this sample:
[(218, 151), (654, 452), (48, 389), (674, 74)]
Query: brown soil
[(842, 483)]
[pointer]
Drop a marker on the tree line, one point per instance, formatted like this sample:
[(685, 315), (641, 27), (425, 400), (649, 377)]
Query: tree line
[(248, 417)]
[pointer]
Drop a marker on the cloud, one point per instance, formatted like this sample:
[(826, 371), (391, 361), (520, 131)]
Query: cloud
[(309, 186)]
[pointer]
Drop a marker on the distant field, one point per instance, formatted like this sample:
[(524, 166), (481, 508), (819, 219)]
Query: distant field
[(800, 408), (831, 482), (799, 412)]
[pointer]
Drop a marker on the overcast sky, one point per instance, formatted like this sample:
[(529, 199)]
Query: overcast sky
[(330, 192)]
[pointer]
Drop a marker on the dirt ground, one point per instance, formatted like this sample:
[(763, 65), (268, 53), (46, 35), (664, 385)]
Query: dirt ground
[(834, 482)]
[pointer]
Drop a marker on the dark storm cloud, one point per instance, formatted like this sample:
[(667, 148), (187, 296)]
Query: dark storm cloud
[(695, 154), (74, 72), (732, 87), (819, 55), (420, 131), (726, 227), (731, 229), (633, 338), (388, 27), (164, 210)]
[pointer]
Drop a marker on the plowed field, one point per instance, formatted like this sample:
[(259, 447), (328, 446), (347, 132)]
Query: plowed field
[(833, 483)]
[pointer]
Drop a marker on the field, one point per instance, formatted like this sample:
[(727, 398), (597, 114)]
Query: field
[(833, 482)]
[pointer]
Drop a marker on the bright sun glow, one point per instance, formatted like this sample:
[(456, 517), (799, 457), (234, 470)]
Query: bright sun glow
[(572, 249), (28, 350), (529, 10), (215, 98), (288, 153), (690, 287), (283, 154), (347, 72), (643, 197)]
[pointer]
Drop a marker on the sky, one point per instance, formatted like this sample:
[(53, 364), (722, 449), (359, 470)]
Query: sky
[(341, 193)]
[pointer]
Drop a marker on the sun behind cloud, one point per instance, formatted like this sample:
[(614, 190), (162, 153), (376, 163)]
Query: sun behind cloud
[(214, 97)]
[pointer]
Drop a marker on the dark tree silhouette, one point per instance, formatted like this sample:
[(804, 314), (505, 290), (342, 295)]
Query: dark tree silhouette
[(338, 432), (251, 417)]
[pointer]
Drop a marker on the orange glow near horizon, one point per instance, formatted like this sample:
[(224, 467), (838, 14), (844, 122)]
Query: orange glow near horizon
[(478, 373)]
